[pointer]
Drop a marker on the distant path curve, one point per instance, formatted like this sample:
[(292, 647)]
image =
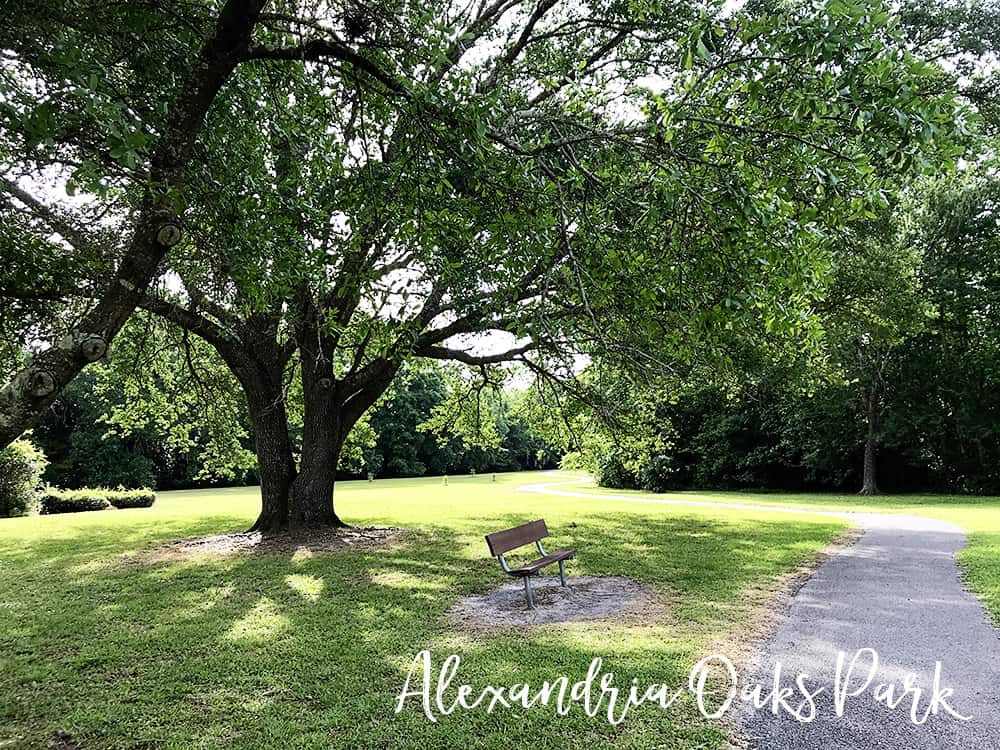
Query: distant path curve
[(897, 590)]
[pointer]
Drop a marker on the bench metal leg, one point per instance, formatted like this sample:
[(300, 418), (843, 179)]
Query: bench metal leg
[(527, 592), (562, 572)]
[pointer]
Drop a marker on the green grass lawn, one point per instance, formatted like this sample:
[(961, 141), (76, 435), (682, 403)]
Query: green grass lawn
[(299, 651), (978, 516)]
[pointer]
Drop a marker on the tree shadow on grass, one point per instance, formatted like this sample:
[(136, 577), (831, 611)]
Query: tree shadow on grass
[(103, 534), (298, 651)]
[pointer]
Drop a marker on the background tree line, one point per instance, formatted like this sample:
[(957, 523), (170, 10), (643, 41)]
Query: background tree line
[(89, 442), (910, 325), (904, 380)]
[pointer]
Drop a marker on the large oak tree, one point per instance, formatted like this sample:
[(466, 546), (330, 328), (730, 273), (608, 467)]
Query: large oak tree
[(613, 179)]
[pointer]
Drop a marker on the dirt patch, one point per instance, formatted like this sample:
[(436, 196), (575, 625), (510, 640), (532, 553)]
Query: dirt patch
[(586, 598), (302, 543), (63, 741)]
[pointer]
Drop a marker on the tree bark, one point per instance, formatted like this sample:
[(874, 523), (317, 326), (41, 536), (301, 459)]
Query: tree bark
[(331, 408), (311, 499), (323, 434), (258, 360), (275, 464), (869, 485), (33, 389)]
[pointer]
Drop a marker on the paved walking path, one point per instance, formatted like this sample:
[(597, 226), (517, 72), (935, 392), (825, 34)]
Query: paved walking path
[(896, 590)]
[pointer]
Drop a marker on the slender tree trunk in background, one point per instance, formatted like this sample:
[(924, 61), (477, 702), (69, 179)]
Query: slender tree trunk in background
[(869, 485)]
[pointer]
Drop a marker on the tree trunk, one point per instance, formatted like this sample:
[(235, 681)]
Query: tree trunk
[(323, 435), (331, 409), (257, 358), (311, 500), (275, 464), (869, 485)]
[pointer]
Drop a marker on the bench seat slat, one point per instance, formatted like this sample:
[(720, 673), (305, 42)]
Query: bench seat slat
[(530, 569)]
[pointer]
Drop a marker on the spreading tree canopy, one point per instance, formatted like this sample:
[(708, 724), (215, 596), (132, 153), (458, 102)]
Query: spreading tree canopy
[(322, 192)]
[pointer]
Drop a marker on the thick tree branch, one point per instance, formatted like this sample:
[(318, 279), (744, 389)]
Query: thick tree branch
[(34, 388), (362, 389), (318, 50), (191, 321), (459, 355)]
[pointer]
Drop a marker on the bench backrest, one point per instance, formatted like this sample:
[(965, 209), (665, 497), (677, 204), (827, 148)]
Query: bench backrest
[(504, 541)]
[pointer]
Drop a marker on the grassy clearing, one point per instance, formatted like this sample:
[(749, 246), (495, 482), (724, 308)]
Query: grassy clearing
[(979, 516), (298, 651)]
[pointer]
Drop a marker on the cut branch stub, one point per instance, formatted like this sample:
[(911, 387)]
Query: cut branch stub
[(168, 233), (325, 383), (41, 383), (92, 348)]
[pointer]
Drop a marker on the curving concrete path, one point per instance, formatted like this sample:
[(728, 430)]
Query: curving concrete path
[(896, 590)]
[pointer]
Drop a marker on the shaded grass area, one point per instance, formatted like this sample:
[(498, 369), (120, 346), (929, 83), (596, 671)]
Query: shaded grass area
[(979, 516), (300, 651)]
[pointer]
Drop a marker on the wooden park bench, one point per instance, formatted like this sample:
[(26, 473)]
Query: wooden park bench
[(502, 542)]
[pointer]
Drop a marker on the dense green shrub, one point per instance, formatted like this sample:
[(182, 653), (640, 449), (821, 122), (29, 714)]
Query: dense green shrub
[(56, 500), (122, 499), (659, 473), (21, 467), (612, 472), (73, 501)]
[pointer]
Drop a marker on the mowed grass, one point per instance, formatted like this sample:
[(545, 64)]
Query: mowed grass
[(978, 516), (300, 651)]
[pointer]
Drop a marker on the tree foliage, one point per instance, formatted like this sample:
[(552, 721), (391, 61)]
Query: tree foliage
[(637, 183), (21, 466), (925, 314), (110, 99)]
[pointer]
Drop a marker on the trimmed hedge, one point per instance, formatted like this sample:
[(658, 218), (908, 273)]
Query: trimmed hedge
[(72, 501), (122, 499), (55, 500)]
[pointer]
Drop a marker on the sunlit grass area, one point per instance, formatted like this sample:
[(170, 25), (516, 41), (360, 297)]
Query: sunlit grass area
[(310, 651), (978, 516)]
